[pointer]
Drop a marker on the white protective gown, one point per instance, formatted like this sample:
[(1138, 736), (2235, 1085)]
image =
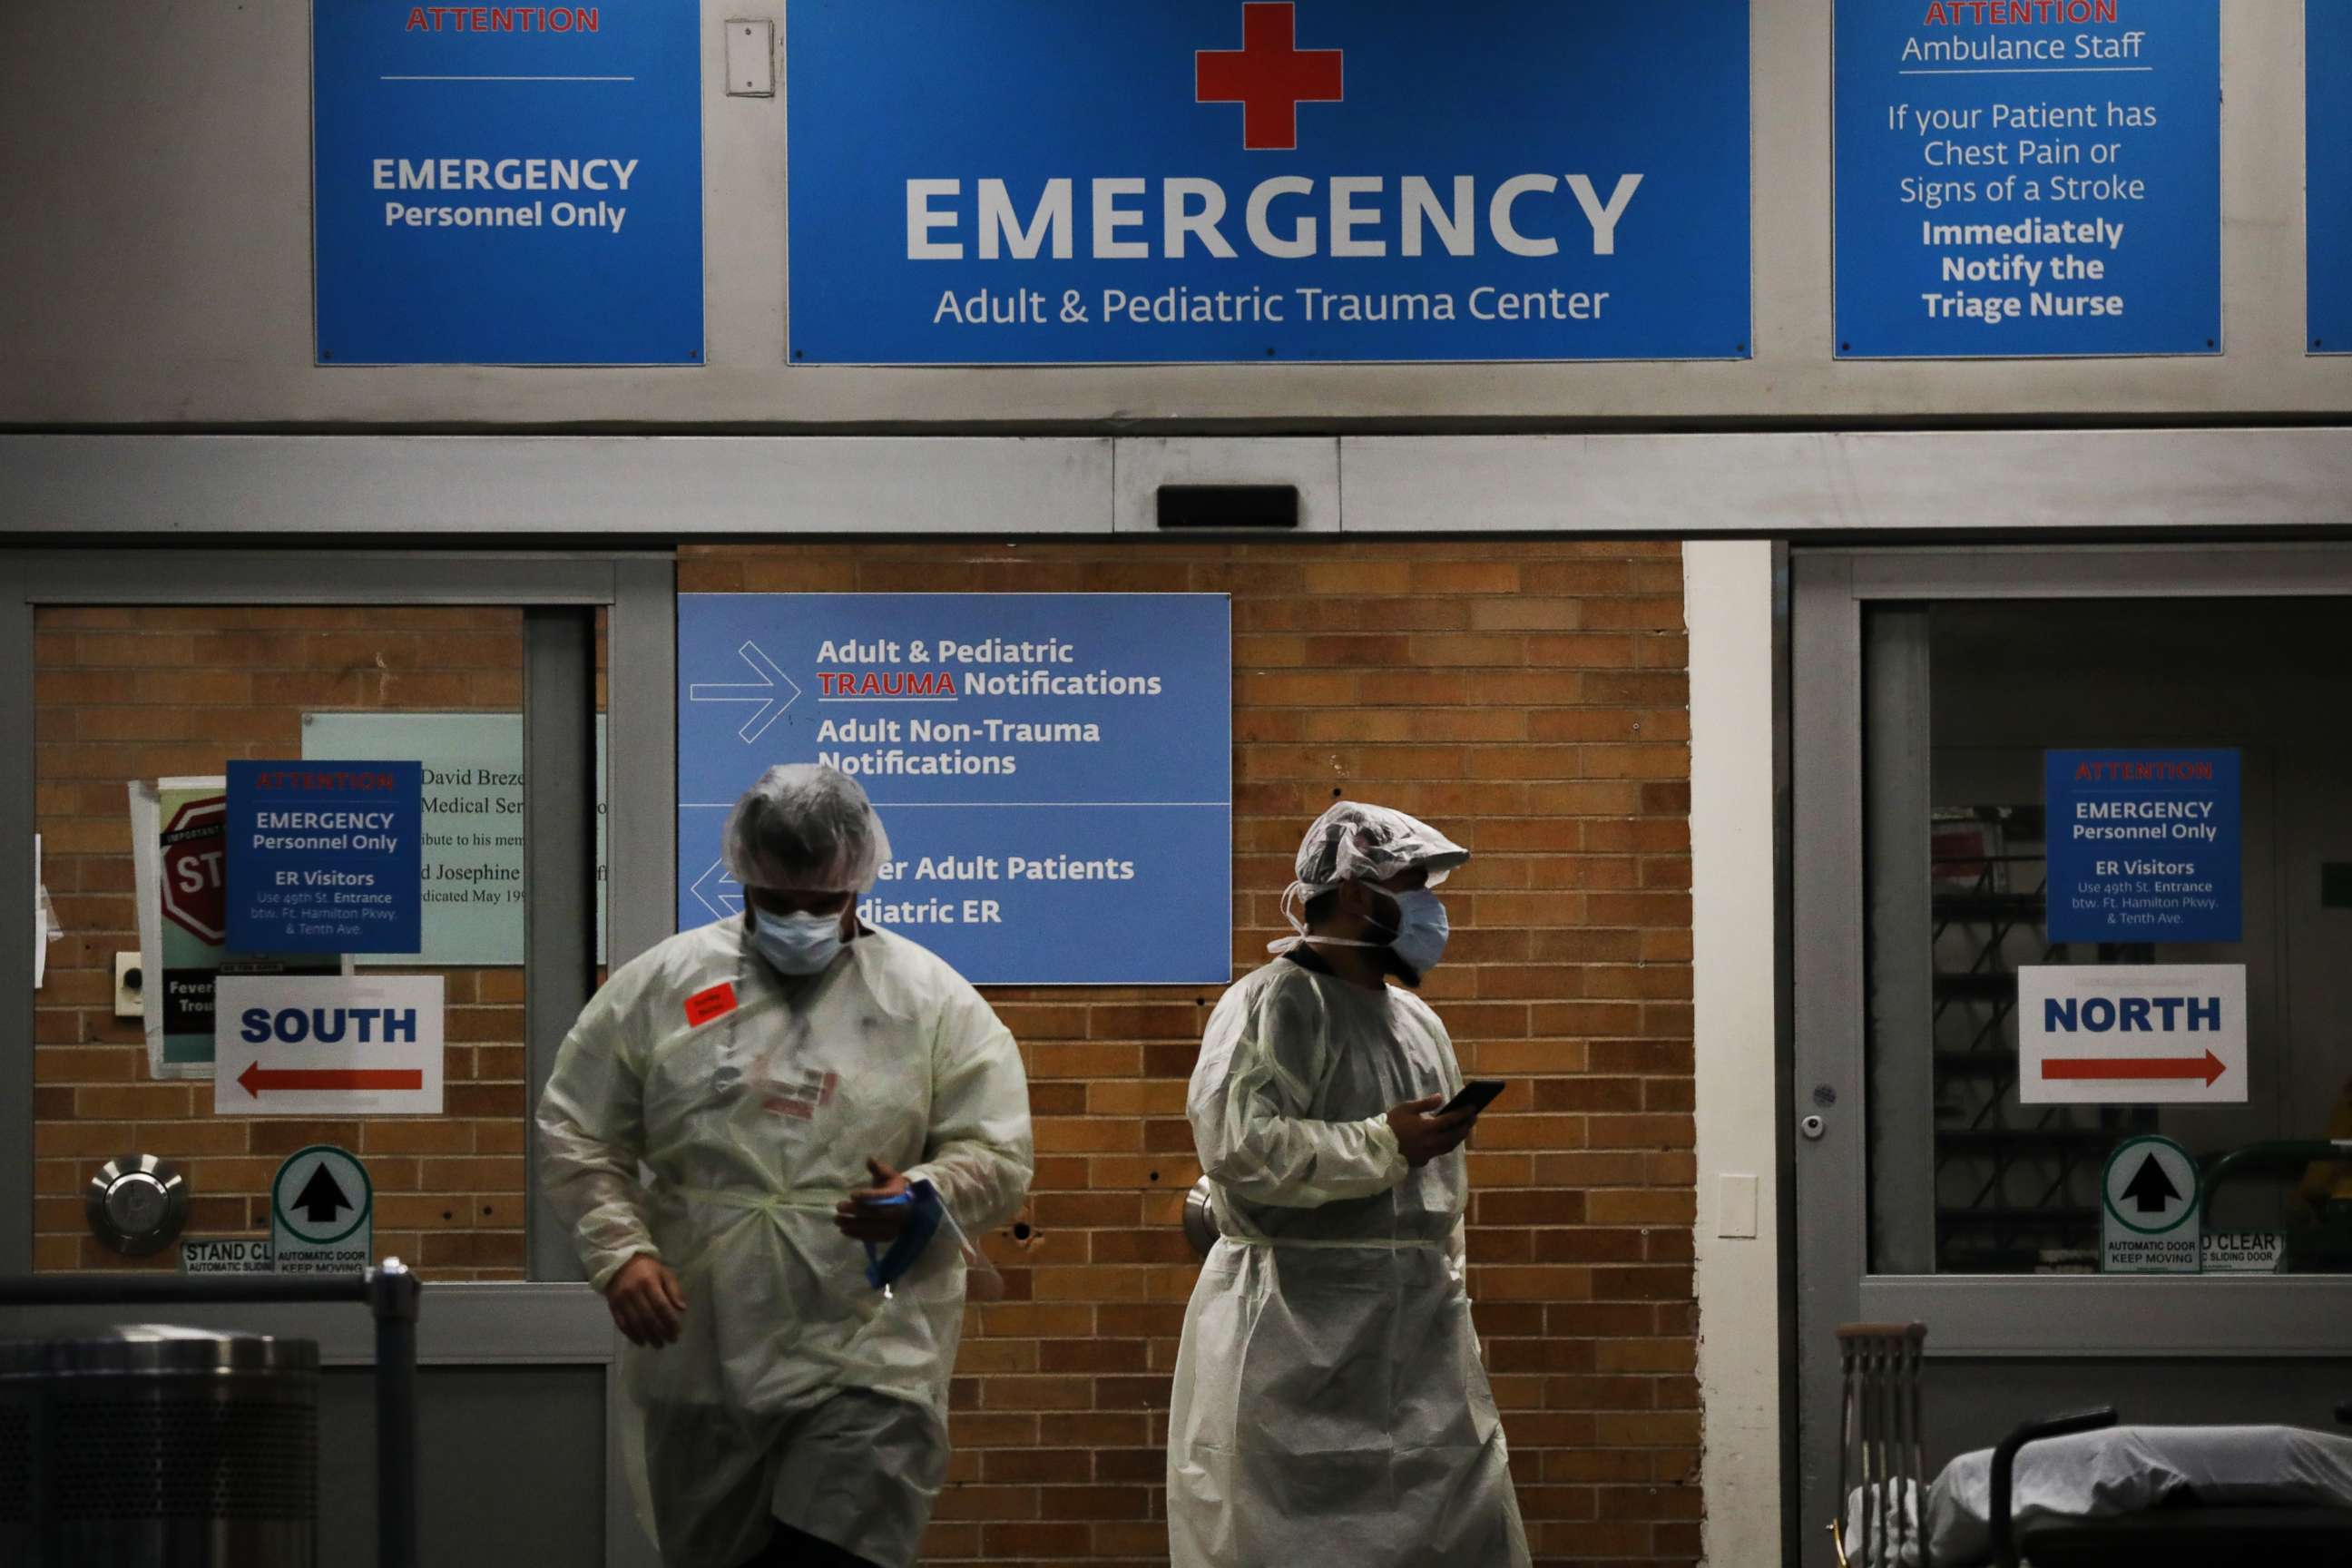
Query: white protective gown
[(755, 1122), (1329, 1402)]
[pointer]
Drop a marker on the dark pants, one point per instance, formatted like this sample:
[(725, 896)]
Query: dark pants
[(789, 1548)]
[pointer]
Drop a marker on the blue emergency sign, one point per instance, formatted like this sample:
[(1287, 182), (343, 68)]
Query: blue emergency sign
[(2024, 178), (325, 856), (507, 185), (1059, 180), (2145, 845), (1055, 771), (2327, 171)]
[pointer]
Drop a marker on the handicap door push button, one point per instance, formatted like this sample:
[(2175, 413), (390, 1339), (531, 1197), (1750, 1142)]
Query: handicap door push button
[(137, 1204)]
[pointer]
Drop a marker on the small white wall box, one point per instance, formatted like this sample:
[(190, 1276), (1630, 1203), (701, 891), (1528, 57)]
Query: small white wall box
[(129, 991), (1735, 1205), (750, 59)]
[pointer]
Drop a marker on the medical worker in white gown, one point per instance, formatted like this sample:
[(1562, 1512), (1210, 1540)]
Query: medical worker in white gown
[(787, 1077), (1330, 1405)]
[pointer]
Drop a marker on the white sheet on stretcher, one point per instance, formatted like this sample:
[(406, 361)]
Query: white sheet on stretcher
[(2124, 1469)]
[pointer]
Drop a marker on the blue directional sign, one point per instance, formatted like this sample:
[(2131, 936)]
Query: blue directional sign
[(1055, 771), (1061, 180), (2145, 845), (2327, 170), (325, 856), (2023, 178), (507, 185)]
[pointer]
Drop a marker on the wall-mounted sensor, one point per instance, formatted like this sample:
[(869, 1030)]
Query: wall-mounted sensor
[(130, 987)]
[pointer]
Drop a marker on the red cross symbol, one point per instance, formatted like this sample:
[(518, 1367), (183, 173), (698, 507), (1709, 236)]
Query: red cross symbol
[(1268, 75)]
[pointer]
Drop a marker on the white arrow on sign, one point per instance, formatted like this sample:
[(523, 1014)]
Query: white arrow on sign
[(761, 691), (717, 899)]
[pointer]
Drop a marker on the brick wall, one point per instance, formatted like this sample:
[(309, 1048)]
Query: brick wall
[(1530, 700), (133, 694)]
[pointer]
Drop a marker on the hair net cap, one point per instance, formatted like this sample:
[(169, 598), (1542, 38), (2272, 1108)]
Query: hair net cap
[(806, 828), (1353, 842)]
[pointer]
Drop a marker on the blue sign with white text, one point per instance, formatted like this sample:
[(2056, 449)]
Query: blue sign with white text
[(2144, 846), (326, 857), (1055, 770), (2028, 178), (1027, 182), (2327, 171), (507, 185)]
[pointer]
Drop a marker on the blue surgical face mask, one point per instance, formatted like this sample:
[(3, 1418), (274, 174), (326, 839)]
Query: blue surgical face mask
[(796, 945), (1422, 930)]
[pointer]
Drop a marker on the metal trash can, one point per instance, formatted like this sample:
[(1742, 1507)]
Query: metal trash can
[(156, 1448)]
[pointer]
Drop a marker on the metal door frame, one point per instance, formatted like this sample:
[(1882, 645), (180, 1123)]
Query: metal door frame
[(1978, 1317), (554, 1319)]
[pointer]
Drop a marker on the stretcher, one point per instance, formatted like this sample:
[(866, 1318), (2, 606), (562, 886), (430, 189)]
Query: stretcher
[(2085, 1491), (2082, 1490)]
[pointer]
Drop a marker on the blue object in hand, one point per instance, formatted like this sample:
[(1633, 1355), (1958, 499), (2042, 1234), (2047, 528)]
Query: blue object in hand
[(922, 1200)]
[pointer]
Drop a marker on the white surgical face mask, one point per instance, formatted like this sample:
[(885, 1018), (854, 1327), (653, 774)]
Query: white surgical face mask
[(796, 945), (1422, 930)]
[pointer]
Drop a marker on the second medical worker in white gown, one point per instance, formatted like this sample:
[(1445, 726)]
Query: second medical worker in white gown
[(787, 1076), (1329, 1402)]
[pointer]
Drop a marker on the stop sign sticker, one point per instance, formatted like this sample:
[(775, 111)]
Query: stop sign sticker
[(194, 888)]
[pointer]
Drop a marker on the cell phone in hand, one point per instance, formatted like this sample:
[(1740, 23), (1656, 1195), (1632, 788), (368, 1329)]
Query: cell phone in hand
[(1475, 1095)]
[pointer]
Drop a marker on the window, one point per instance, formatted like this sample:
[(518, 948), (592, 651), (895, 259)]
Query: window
[(1964, 702)]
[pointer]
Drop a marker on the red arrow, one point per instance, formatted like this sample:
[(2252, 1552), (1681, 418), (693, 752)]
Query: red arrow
[(2113, 1069), (257, 1077)]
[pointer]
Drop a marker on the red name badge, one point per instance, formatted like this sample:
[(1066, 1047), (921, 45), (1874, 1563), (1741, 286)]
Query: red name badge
[(705, 1006)]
